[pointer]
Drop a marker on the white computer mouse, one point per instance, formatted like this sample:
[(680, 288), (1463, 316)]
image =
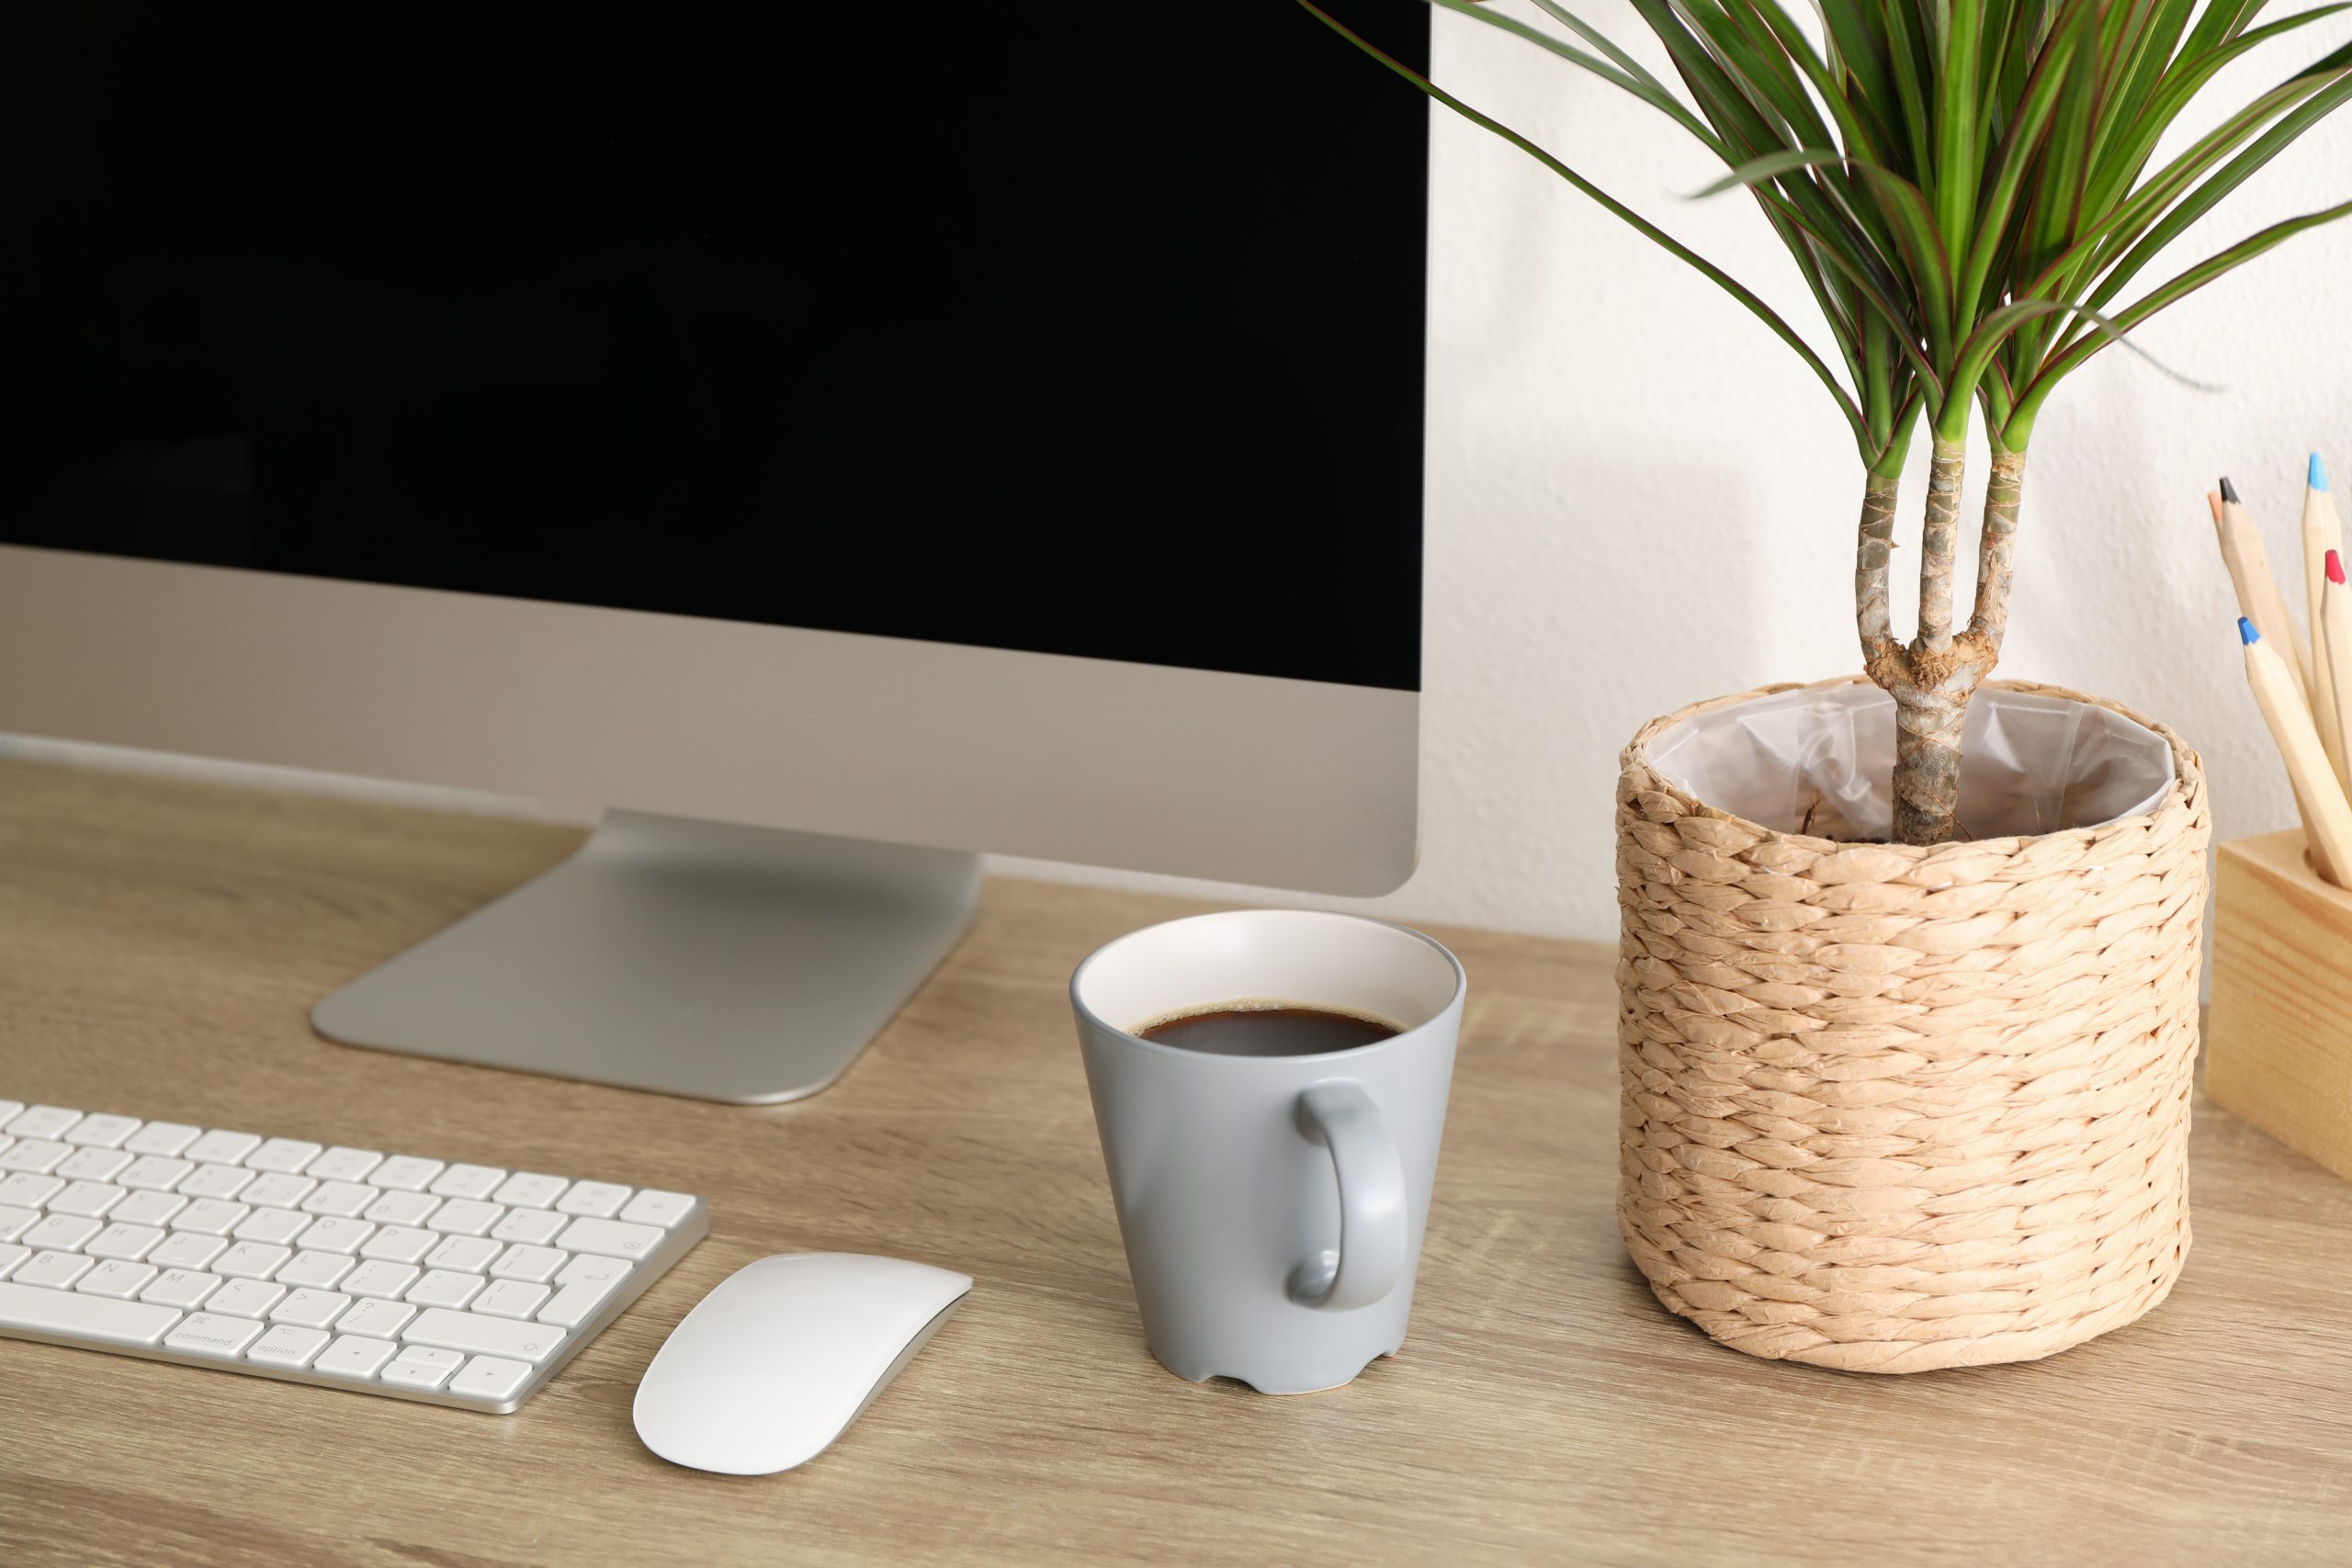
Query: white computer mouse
[(771, 1367)]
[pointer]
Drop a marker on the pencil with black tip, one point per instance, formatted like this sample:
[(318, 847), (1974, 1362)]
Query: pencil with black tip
[(2326, 815), (2258, 597), (2323, 533)]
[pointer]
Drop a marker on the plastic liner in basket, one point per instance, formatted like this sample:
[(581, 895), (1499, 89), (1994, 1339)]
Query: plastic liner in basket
[(1820, 760)]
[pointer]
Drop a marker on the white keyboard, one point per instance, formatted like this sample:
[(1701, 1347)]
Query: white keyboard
[(455, 1284)]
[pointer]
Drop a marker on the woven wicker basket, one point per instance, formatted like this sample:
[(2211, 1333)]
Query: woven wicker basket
[(1888, 1108)]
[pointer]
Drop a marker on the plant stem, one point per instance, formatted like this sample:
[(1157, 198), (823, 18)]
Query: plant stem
[(1873, 545), (2003, 493), (1939, 543), (1929, 716), (1932, 685)]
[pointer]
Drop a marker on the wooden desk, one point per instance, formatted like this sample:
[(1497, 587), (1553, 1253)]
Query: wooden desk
[(160, 944)]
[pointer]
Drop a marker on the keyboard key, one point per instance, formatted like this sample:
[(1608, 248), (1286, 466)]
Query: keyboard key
[(183, 1288), (397, 1244), (664, 1209), (117, 1279), (102, 1131), (466, 1181), (65, 1232), (353, 1356), (187, 1249), (93, 1165), (245, 1298), (403, 1372), (40, 1156), (479, 1335), (490, 1377), (132, 1242), (209, 1334), (441, 1288), (613, 1238), (575, 1304), (465, 1216), (216, 1182), (335, 1234), (288, 1346), (55, 1269), (168, 1139), (532, 1227), (529, 1190), (253, 1261), (155, 1173), (535, 1263), (89, 1199), (221, 1148), (9, 1111), (84, 1317), (272, 1228), (314, 1271), (16, 1221), (277, 1191), (26, 1191), (149, 1208), (342, 1199), (596, 1200), (283, 1156), (590, 1269), (376, 1319), (45, 1122), (12, 1256), (464, 1254), (210, 1216), (405, 1173), (511, 1298), (311, 1309), (344, 1163), (387, 1280), (402, 1208)]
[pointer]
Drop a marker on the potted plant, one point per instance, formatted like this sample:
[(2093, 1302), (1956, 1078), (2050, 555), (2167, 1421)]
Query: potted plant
[(1924, 1102)]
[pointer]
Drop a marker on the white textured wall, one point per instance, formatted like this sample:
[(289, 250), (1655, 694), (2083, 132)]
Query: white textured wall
[(1637, 498)]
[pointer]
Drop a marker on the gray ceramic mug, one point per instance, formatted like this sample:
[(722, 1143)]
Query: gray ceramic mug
[(1272, 1206)]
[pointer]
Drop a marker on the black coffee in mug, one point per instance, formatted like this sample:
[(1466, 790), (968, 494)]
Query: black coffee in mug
[(1267, 1028)]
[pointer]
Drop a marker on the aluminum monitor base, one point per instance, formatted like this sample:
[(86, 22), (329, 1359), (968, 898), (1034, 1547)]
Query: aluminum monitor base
[(746, 965)]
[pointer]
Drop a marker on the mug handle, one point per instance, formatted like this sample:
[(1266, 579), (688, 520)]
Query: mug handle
[(1370, 1260)]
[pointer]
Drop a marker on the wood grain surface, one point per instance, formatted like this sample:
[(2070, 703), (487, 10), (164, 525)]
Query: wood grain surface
[(160, 944), (2278, 1050)]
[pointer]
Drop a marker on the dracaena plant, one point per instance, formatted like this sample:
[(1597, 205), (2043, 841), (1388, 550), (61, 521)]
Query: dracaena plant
[(1969, 188)]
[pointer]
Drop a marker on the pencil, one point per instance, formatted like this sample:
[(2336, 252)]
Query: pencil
[(2322, 535), (2336, 620), (2316, 791), (2242, 538)]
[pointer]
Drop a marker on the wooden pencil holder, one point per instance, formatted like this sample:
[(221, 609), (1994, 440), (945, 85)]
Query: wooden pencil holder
[(2279, 1037)]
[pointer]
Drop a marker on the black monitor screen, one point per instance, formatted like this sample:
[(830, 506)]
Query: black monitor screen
[(1092, 330)]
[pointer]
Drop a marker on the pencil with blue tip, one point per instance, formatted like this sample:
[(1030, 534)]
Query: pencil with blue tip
[(2328, 817)]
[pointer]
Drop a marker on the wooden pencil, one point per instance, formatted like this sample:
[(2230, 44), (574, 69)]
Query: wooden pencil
[(2336, 620), (2322, 535), (2317, 792), (2249, 566)]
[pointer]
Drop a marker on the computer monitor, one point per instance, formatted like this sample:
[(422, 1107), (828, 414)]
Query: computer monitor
[(840, 443)]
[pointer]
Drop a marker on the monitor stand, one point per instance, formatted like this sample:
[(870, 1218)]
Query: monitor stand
[(747, 964)]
